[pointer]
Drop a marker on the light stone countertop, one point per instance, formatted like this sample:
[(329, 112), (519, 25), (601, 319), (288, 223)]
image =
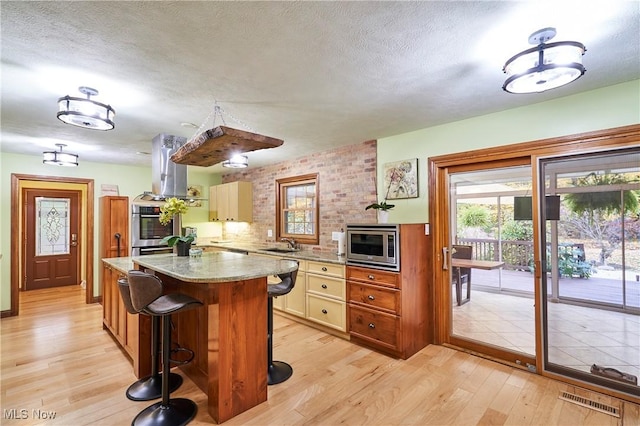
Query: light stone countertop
[(321, 256), (209, 268), (120, 264)]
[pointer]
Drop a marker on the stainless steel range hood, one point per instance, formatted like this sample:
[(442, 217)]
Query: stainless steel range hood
[(168, 179)]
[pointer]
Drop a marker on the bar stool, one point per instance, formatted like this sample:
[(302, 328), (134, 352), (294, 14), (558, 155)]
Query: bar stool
[(146, 297), (277, 371), (150, 387)]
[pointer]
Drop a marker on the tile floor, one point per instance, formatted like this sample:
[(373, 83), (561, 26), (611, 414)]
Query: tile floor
[(578, 336)]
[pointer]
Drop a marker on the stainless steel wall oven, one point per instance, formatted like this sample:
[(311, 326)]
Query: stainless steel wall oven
[(147, 231)]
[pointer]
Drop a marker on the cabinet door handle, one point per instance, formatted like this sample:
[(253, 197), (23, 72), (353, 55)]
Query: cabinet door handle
[(371, 297), (324, 311), (371, 277), (324, 286), (324, 269), (372, 325)]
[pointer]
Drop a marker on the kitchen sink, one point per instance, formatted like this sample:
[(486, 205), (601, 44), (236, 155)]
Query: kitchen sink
[(281, 250)]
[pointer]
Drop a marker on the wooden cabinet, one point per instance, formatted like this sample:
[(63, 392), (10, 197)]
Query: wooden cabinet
[(319, 296), (231, 202), (326, 295), (120, 323), (114, 227), (294, 301), (114, 241), (392, 311)]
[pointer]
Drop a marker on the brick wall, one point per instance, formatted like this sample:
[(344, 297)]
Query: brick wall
[(347, 185)]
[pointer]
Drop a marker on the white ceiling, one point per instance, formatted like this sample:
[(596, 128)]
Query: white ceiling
[(315, 74)]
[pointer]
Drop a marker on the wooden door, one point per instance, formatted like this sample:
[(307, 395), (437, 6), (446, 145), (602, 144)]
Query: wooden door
[(51, 235)]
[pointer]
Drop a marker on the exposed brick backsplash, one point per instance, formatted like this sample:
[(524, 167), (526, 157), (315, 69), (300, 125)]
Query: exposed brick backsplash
[(347, 181)]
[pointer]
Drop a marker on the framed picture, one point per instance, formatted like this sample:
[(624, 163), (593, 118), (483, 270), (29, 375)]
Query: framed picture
[(194, 191), (401, 179)]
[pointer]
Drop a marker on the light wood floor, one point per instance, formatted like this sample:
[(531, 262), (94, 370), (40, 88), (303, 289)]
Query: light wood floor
[(56, 358)]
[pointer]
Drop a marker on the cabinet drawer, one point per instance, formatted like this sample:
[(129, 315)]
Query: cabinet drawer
[(374, 296), (326, 286), (376, 327), (325, 268), (332, 313), (385, 278)]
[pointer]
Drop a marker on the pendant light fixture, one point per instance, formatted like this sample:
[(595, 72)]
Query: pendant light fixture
[(86, 113), (546, 66), (59, 158), (236, 162)]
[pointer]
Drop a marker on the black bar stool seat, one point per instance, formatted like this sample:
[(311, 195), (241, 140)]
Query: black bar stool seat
[(150, 387), (146, 297), (277, 371)]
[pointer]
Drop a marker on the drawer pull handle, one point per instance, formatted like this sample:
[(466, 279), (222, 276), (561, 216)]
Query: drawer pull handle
[(371, 277), (324, 269), (324, 311), (371, 297), (324, 286), (372, 325)]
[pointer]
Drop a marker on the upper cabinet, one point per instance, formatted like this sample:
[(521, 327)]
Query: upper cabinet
[(231, 202)]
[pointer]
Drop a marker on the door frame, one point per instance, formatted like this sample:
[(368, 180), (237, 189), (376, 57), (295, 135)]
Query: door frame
[(29, 195), (438, 190), (87, 233)]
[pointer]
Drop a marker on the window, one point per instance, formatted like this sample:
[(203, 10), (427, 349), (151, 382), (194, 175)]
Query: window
[(297, 209)]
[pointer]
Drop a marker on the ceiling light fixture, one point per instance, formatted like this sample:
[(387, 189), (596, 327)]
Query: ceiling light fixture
[(545, 66), (236, 162), (86, 113), (59, 158)]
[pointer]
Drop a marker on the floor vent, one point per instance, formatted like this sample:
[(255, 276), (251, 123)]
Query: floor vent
[(594, 405)]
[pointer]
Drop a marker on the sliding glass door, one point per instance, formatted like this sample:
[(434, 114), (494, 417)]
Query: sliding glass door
[(492, 285), (592, 267)]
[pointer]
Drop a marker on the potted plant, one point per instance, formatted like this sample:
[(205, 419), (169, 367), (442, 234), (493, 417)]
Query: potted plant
[(172, 207), (382, 208)]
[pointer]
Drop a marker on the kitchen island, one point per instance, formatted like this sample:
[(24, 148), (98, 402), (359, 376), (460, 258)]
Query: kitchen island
[(228, 334)]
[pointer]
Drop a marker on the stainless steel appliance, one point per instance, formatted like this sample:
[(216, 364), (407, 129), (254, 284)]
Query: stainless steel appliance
[(374, 246), (168, 179), (147, 231)]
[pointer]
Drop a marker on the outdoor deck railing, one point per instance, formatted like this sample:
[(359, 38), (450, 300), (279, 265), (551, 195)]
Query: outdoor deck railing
[(516, 255)]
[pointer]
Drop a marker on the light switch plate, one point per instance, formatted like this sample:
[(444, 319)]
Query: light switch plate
[(269, 233)]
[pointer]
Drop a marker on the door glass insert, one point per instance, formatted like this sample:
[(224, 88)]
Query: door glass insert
[(52, 226), (492, 283), (592, 267)]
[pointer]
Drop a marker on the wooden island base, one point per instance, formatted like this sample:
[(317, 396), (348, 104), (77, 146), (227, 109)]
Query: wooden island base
[(229, 338)]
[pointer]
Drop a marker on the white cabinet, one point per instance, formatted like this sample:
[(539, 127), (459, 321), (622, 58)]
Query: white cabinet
[(231, 202), (326, 295), (293, 302)]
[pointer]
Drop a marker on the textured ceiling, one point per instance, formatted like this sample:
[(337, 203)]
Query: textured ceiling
[(315, 74)]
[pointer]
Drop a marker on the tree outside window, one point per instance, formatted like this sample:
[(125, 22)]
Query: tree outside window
[(297, 209)]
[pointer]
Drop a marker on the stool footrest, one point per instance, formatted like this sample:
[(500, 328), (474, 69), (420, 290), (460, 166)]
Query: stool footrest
[(185, 361)]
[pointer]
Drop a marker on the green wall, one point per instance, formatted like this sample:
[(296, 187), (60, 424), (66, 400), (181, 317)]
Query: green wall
[(605, 108), (131, 181)]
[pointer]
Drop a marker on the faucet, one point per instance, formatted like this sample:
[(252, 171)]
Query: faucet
[(292, 243)]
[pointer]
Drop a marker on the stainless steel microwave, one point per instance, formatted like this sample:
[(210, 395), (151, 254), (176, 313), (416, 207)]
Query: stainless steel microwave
[(373, 245)]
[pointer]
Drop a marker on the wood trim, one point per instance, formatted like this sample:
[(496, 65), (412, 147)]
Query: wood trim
[(16, 178), (578, 143), (439, 168), (292, 181)]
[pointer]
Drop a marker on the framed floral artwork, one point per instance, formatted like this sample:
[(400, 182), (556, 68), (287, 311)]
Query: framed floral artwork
[(401, 179)]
